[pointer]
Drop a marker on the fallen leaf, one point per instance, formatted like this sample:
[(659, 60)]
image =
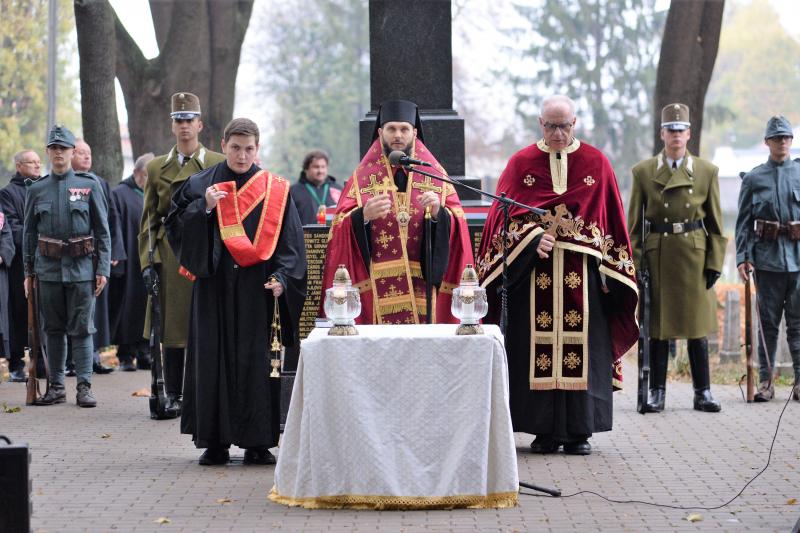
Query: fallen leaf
[(141, 393), (105, 436), (695, 517), (162, 520), (7, 409), (791, 501), (224, 500)]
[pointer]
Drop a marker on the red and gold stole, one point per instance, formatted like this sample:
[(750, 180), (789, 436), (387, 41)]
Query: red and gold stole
[(560, 322), (264, 187)]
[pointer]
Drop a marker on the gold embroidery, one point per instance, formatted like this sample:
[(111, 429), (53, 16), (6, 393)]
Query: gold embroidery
[(392, 292), (543, 361), (426, 186), (374, 188), (385, 239), (573, 318), (572, 360), (529, 180), (544, 319), (588, 180), (573, 280), (543, 280)]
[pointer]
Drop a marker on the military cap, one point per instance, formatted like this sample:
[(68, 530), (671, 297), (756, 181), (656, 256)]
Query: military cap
[(185, 106), (61, 136), (675, 117), (778, 126)]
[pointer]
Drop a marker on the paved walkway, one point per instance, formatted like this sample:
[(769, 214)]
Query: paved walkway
[(113, 469)]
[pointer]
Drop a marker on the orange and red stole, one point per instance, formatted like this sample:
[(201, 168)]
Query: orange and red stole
[(393, 288), (264, 187)]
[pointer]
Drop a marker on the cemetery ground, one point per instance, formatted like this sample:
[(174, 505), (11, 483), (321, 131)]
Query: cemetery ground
[(113, 469)]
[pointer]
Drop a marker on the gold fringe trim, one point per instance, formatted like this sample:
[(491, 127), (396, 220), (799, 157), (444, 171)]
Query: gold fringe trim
[(397, 270), (390, 308), (499, 500)]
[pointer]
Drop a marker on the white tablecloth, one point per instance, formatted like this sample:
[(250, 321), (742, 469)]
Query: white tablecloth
[(399, 417)]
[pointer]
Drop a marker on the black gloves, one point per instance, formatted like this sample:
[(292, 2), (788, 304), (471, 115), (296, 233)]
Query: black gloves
[(711, 278)]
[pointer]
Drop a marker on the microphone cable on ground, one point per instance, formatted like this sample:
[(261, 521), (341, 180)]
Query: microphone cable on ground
[(689, 507)]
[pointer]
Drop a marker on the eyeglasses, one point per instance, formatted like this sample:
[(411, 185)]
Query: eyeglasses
[(37, 163), (553, 127)]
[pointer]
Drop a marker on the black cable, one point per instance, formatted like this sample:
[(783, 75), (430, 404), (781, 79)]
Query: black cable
[(681, 507)]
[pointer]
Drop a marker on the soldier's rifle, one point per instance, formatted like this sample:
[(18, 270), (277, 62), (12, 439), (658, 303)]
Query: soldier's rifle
[(748, 339), (34, 346), (643, 280), (158, 390)]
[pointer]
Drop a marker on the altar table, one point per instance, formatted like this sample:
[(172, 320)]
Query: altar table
[(399, 417)]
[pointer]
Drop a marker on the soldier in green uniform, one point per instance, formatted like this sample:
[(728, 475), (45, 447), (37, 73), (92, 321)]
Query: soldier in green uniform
[(166, 173), (65, 229), (767, 235), (684, 250)]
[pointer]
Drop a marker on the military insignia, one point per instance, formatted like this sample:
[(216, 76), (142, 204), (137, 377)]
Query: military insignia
[(529, 180), (76, 194), (588, 180)]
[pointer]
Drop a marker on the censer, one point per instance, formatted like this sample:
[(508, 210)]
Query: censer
[(275, 345)]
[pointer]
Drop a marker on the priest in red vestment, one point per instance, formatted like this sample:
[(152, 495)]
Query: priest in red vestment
[(378, 231), (234, 228), (571, 297)]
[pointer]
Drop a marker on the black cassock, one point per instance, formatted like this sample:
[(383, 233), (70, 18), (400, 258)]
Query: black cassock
[(228, 396), (101, 309), (567, 415), (127, 295)]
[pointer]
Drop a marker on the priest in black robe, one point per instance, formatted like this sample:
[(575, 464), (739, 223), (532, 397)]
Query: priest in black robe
[(236, 232), (127, 294)]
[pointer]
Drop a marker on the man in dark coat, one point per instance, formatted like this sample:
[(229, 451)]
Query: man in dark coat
[(7, 253), (82, 162), (237, 233), (12, 204), (127, 294), (315, 187)]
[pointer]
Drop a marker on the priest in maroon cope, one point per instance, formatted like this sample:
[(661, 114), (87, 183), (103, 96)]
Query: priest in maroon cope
[(233, 227), (378, 231), (571, 296)]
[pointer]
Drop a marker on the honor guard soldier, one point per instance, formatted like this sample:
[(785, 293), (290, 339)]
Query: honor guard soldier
[(166, 173), (684, 250), (65, 233), (767, 235)]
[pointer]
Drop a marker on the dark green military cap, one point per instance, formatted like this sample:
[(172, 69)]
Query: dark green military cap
[(61, 136), (778, 126), (675, 117)]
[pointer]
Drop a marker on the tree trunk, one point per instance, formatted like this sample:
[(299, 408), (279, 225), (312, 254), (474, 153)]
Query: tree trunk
[(200, 44), (94, 21), (688, 52)]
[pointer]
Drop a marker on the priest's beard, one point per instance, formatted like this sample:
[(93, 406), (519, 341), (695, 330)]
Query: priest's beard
[(388, 149)]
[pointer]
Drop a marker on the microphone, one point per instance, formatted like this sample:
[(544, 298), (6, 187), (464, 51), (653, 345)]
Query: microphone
[(400, 158)]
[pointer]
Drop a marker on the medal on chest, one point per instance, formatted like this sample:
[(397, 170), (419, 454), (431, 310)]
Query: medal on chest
[(76, 194)]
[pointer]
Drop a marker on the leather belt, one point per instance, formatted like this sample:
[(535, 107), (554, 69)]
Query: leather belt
[(677, 227)]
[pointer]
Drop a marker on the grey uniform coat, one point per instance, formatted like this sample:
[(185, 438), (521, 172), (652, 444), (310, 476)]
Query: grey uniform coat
[(681, 306), (769, 192)]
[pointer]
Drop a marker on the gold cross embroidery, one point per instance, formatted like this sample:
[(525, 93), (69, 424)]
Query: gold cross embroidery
[(426, 186), (385, 239), (555, 220), (374, 188)]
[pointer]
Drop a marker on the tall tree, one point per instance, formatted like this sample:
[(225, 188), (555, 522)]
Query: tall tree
[(23, 78), (688, 52), (754, 78), (199, 44), (312, 66), (602, 54)]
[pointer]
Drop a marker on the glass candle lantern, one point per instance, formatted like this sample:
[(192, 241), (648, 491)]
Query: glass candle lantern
[(342, 304), (469, 303)]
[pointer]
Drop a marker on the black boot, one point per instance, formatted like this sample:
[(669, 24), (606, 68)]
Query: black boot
[(659, 359), (173, 378), (701, 376)]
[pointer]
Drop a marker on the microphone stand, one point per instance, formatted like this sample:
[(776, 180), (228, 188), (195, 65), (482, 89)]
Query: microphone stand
[(505, 204)]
